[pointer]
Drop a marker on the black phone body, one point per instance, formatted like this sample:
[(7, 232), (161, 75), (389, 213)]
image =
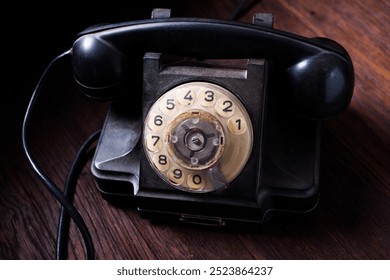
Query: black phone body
[(211, 143)]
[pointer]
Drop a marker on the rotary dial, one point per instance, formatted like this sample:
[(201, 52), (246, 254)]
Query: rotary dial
[(198, 137)]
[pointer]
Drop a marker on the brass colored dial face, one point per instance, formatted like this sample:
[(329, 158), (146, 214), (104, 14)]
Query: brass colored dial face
[(198, 137)]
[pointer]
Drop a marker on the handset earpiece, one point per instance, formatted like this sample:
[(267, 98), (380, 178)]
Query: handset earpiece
[(99, 68), (319, 87), (319, 73)]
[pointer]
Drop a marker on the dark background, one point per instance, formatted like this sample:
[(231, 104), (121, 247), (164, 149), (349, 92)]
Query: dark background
[(38, 32), (353, 217)]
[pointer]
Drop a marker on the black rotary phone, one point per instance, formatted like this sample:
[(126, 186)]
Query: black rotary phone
[(192, 135)]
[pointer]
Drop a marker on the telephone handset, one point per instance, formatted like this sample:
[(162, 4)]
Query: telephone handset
[(318, 71), (208, 142)]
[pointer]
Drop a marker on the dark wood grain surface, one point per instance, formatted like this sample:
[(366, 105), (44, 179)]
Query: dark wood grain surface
[(353, 217)]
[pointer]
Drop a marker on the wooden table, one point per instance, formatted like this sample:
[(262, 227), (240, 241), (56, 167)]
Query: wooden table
[(353, 217)]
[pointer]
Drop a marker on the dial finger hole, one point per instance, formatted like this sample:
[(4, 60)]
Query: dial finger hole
[(195, 181), (186, 96), (156, 122), (236, 125), (176, 176), (207, 97), (225, 107), (168, 106), (161, 162), (153, 142)]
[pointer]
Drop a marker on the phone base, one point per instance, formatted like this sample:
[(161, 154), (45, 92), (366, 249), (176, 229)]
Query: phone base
[(281, 175)]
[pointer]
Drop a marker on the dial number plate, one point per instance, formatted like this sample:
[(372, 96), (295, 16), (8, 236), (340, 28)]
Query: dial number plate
[(198, 137)]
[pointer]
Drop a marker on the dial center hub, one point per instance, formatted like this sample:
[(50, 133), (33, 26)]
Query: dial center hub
[(195, 140)]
